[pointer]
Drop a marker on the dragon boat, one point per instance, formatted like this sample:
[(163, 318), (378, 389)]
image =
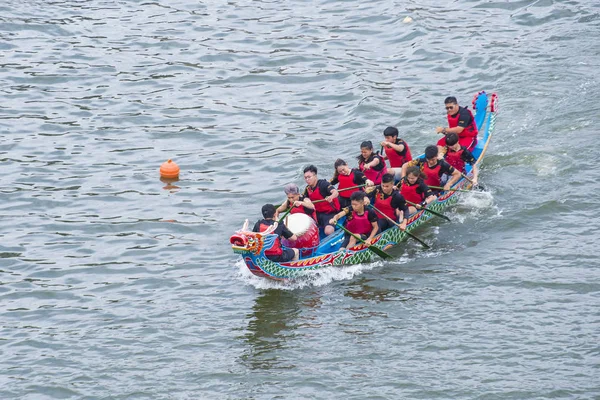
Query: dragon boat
[(252, 245)]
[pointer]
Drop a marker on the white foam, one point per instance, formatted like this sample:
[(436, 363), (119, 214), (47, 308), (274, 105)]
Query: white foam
[(320, 277), (475, 205)]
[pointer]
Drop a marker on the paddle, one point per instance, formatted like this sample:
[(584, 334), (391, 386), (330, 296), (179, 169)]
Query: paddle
[(398, 225), (285, 214), (374, 249), (454, 190), (478, 186), (428, 210)]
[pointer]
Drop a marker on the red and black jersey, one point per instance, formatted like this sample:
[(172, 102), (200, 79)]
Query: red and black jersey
[(281, 230), (302, 209), (388, 203), (354, 178), (321, 190), (416, 192), (360, 224), (398, 158), (459, 158), (374, 174), (434, 173)]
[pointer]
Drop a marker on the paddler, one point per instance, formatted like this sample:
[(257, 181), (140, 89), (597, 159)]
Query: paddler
[(298, 202), (360, 221), (461, 122), (276, 253), (347, 178), (396, 151), (318, 190), (459, 156), (434, 168), (371, 163), (414, 189), (388, 200)]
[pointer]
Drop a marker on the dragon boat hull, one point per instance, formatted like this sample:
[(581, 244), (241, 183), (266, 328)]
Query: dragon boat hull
[(252, 245)]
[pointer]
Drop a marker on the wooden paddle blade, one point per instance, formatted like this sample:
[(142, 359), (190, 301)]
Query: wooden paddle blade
[(418, 240), (436, 213), (379, 252), (429, 211)]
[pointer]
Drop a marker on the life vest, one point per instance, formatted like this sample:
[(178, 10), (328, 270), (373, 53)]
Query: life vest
[(454, 158), (396, 159), (384, 205), (372, 174), (322, 206), (276, 250), (359, 224), (303, 210), (410, 191), (347, 181), (469, 131), (433, 174)]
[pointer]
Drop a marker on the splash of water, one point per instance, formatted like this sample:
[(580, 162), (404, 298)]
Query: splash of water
[(321, 277)]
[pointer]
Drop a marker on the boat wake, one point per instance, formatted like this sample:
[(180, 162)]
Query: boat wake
[(320, 277), (475, 205)]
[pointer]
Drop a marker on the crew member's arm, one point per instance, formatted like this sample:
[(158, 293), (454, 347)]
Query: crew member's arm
[(286, 233), (408, 164), (372, 164), (374, 225), (306, 203), (428, 193), (464, 120), (333, 193), (475, 171), (283, 207), (457, 129), (398, 147), (336, 217), (468, 158), (454, 178), (361, 179), (399, 204)]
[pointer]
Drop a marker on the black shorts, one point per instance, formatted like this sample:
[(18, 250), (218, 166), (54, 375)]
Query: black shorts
[(287, 255), (323, 219)]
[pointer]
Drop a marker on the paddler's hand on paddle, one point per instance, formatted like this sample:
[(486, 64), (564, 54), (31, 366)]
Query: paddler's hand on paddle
[(367, 166), (369, 182), (446, 187), (386, 144), (402, 226), (368, 242), (333, 221), (329, 199), (440, 129), (297, 203), (474, 182)]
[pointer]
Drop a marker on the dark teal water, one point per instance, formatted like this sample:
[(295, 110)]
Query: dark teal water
[(102, 298)]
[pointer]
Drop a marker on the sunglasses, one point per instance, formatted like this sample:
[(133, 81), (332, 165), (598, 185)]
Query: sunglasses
[(449, 107)]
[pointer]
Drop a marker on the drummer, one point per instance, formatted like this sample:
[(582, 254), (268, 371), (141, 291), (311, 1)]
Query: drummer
[(276, 253), (298, 202)]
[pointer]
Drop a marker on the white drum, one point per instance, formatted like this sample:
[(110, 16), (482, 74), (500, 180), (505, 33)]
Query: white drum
[(305, 228)]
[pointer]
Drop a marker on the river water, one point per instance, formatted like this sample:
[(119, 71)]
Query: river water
[(115, 285)]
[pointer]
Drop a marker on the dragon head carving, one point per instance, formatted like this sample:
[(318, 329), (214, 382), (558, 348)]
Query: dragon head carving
[(245, 241)]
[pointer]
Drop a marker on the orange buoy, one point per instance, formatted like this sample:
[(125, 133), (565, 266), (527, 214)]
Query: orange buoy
[(169, 169)]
